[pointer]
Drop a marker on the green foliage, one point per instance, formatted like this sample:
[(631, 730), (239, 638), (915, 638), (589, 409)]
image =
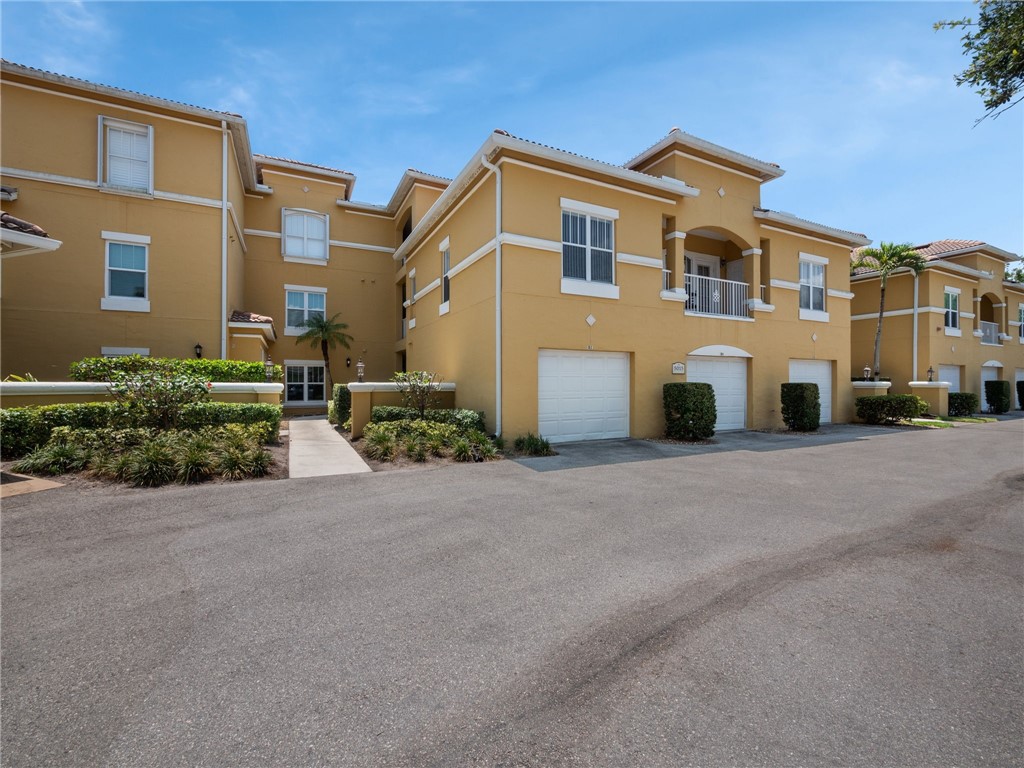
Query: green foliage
[(889, 409), (1015, 274), (963, 403), (532, 445), (462, 450), (154, 399), (997, 393), (116, 368), (1020, 395), (801, 406), (213, 414), (996, 49), (463, 418), (24, 429), (29, 376), (380, 444), (690, 412), (151, 464), (342, 399), (325, 333), (419, 389), (416, 449), (423, 430), (54, 459), (332, 413)]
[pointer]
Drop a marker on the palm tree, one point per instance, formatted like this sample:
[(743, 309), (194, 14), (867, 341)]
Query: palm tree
[(325, 333), (885, 260)]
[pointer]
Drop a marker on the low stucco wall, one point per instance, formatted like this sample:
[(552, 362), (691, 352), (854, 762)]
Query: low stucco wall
[(14, 394), (365, 395)]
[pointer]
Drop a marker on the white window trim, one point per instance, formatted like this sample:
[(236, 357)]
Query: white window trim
[(446, 268), (327, 237), (305, 364), (123, 303), (577, 206), (573, 289), (814, 315), (950, 330), (813, 259), (102, 163), (444, 309), (122, 351), (292, 330)]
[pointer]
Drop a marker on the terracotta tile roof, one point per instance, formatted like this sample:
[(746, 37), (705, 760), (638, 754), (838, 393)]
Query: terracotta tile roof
[(237, 316), (431, 175), (258, 157), (685, 135), (574, 154), (813, 223), (939, 248), (19, 225)]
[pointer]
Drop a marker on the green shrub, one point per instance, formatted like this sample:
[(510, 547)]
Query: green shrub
[(54, 459), (435, 446), (889, 409), (462, 450), (423, 430), (416, 450), (801, 406), (151, 464), (200, 415), (1020, 395), (342, 399), (532, 445), (237, 462), (963, 403), (462, 418), (998, 395), (690, 412), (380, 444), (24, 429), (195, 462), (116, 368)]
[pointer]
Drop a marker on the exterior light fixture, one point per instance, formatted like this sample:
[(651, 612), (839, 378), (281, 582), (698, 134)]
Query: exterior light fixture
[(360, 369), (268, 369), (348, 362), (867, 372), (931, 373), (198, 348)]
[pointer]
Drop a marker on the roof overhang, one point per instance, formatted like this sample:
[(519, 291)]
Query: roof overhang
[(266, 329), (676, 138), (14, 243), (796, 224), (984, 248), (347, 178), (947, 266)]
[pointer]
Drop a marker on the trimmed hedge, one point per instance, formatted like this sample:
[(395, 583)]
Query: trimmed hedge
[(889, 409), (22, 430), (998, 395), (690, 412), (1020, 395), (963, 403), (801, 406), (114, 368), (463, 418), (342, 398)]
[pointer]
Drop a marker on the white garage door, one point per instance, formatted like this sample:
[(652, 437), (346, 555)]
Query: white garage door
[(816, 372), (728, 377), (950, 373), (988, 373), (582, 395)]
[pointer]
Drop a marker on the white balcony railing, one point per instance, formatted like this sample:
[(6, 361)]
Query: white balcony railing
[(990, 333), (666, 279), (711, 296)]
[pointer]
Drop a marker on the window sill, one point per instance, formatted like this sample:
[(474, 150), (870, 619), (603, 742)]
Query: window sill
[(587, 288), (443, 309), (304, 403), (124, 304), (146, 194), (306, 260), (294, 331), (953, 332), (814, 315)]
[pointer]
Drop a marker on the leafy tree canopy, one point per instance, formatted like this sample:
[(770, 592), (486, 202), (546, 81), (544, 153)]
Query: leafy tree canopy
[(995, 44)]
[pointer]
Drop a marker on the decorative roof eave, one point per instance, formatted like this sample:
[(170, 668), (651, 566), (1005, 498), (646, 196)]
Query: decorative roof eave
[(789, 221), (984, 248), (949, 266), (16, 243), (348, 179), (1019, 287), (765, 171)]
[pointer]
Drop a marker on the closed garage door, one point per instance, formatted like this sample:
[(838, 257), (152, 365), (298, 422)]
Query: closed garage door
[(950, 373), (816, 372), (582, 395), (988, 373), (728, 377)]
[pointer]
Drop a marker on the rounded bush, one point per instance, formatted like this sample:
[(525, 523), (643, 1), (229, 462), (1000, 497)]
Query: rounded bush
[(801, 406), (690, 412)]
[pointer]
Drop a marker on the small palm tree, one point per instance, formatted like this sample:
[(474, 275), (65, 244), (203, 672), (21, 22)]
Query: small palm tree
[(325, 333), (885, 260)]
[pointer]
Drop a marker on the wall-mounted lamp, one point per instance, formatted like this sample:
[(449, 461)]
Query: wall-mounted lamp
[(198, 348), (348, 362), (360, 369), (268, 369), (931, 373), (867, 372)]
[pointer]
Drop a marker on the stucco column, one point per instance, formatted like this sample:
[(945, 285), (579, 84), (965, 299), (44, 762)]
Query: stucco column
[(752, 268), (675, 257), (935, 393)]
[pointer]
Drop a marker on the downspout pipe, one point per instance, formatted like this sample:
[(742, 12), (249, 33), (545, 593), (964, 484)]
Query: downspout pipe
[(497, 291), (914, 350), (224, 241)]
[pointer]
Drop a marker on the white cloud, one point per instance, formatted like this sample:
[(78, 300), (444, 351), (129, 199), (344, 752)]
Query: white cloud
[(75, 39)]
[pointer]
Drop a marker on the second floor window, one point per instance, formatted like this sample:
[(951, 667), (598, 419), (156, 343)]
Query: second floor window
[(1020, 319), (127, 155), (951, 305), (587, 247), (812, 286), (304, 234), (301, 306), (446, 263)]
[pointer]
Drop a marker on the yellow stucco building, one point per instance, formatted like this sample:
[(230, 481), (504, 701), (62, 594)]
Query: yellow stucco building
[(559, 293), (959, 317)]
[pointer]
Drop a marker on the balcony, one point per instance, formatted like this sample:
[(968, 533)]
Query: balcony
[(719, 298), (990, 333)]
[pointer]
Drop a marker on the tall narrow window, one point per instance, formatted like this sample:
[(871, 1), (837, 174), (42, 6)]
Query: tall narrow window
[(812, 286), (587, 247), (951, 303), (1020, 319), (304, 234), (446, 263), (126, 155)]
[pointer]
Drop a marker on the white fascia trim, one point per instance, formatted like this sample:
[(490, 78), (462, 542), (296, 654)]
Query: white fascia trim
[(753, 252), (756, 305), (813, 258), (808, 237), (578, 206), (361, 246), (120, 351), (968, 315), (767, 170), (305, 288), (676, 294), (304, 177), (594, 182), (124, 304), (125, 237), (586, 288), (473, 258), (262, 233), (837, 294), (786, 284), (270, 164), (267, 328), (412, 273), (443, 309), (640, 261), (444, 244), (537, 243), (363, 209), (888, 313), (389, 386), (436, 283), (305, 260), (676, 235), (814, 315), (998, 305), (34, 243), (175, 197), (953, 332), (844, 238), (719, 166)]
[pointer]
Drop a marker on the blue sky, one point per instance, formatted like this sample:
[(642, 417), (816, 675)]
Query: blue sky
[(855, 100)]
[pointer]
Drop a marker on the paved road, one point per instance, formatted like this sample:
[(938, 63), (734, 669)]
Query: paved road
[(854, 603)]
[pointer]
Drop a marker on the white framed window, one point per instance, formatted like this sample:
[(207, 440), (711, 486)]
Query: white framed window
[(588, 249), (1020, 319), (446, 284), (951, 309), (304, 382), (126, 272), (304, 235), (301, 303), (125, 155), (812, 288)]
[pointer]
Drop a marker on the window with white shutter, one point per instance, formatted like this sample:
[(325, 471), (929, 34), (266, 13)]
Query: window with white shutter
[(126, 155)]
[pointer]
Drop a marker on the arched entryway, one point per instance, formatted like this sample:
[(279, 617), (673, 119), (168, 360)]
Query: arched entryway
[(717, 269)]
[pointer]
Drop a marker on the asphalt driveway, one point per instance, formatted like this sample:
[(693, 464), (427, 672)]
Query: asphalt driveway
[(848, 602)]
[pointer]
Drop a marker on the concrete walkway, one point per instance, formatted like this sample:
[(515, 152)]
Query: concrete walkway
[(315, 449)]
